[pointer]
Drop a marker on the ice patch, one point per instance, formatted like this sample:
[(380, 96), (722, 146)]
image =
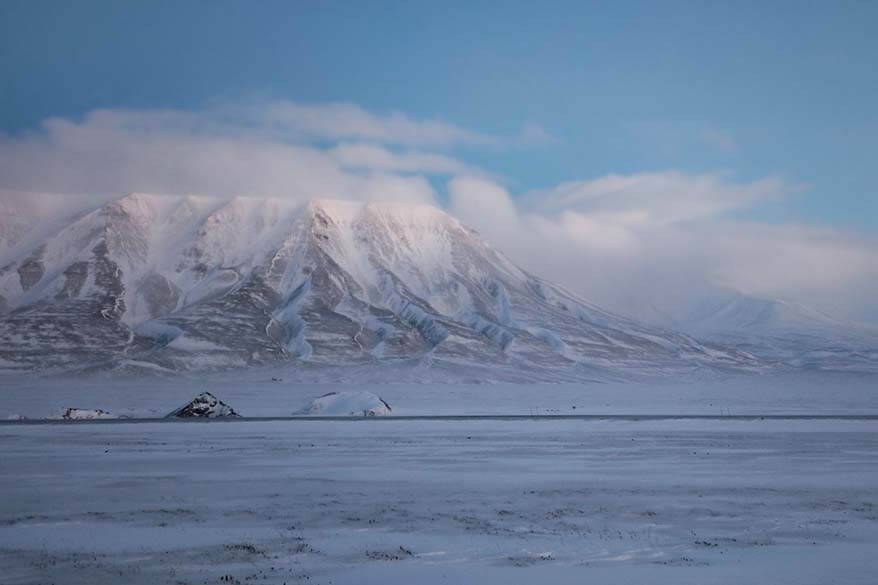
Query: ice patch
[(287, 327), (161, 332), (184, 343), (425, 324), (552, 339), (348, 404)]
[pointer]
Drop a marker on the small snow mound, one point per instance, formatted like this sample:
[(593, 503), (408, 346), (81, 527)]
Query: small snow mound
[(205, 405), (348, 404), (85, 414)]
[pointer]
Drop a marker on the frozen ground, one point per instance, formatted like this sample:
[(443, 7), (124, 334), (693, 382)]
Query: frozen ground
[(371, 501), (257, 394), (397, 501)]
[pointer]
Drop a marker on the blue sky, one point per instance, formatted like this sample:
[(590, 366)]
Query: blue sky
[(754, 89), (617, 147)]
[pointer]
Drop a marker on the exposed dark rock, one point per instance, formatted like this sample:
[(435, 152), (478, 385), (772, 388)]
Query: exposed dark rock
[(31, 271), (161, 295), (74, 277), (108, 277), (85, 414), (205, 405)]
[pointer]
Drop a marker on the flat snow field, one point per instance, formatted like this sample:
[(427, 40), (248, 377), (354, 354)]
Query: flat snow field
[(548, 501), (256, 394)]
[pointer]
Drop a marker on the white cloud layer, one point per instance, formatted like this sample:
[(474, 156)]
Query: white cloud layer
[(654, 243), (639, 243), (339, 121), (658, 198), (366, 156), (113, 151)]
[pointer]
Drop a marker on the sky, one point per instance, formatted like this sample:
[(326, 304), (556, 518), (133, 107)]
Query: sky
[(606, 144)]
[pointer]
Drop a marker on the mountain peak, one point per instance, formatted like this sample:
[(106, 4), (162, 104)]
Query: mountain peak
[(346, 211), (191, 283)]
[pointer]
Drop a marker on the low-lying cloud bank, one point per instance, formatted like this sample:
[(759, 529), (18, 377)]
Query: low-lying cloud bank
[(647, 243), (655, 245)]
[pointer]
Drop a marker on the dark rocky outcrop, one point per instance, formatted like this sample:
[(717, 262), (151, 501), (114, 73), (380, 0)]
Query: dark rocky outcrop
[(205, 405)]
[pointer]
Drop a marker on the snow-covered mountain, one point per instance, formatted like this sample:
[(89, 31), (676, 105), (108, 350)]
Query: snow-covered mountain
[(777, 329), (194, 283)]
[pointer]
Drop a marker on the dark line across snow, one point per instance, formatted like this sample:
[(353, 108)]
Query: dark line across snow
[(458, 417)]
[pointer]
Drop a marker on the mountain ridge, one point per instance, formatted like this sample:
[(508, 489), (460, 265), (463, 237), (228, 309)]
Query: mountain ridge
[(192, 283)]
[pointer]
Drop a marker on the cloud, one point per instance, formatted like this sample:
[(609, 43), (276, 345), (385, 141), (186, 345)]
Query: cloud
[(345, 121), (276, 148), (485, 205), (339, 121), (778, 260), (303, 123), (233, 151), (638, 243), (286, 120), (658, 198), (375, 157), (651, 244)]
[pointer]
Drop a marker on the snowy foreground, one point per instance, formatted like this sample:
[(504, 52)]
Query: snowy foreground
[(261, 394), (384, 501)]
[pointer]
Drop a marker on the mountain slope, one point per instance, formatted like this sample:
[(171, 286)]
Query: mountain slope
[(193, 283), (779, 329)]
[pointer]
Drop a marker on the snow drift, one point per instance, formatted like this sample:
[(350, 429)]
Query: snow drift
[(85, 414), (348, 404)]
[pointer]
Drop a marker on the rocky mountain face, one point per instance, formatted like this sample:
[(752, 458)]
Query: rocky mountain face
[(194, 283)]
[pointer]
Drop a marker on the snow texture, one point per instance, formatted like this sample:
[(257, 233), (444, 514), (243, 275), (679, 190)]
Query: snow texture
[(270, 394), (363, 501), (85, 414), (194, 284), (348, 404)]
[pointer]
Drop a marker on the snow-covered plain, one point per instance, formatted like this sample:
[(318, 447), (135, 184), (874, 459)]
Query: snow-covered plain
[(263, 393), (371, 501)]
